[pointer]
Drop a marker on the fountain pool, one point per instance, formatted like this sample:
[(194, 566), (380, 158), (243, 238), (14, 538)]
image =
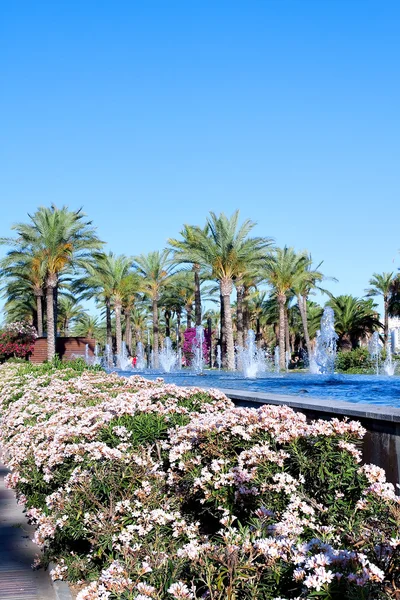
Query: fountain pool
[(370, 389)]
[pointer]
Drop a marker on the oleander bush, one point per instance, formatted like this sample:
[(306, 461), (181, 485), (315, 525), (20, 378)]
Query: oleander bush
[(141, 490), (17, 340)]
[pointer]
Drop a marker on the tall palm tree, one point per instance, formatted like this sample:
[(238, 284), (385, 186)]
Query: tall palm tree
[(155, 270), (124, 285), (20, 307), (98, 283), (130, 296), (382, 285), (394, 300), (69, 310), (306, 279), (64, 240), (224, 247), (281, 269), (354, 318), (314, 315), (22, 269), (182, 254)]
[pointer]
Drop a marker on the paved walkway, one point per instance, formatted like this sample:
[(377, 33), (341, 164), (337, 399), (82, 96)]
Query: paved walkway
[(18, 581)]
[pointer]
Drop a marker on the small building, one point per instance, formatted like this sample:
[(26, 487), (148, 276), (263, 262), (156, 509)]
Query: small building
[(67, 348)]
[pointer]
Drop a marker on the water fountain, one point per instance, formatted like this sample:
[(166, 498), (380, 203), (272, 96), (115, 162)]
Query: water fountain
[(389, 367), (197, 350), (287, 360), (252, 359), (374, 348), (107, 360), (140, 358), (179, 360), (124, 362), (323, 360), (168, 357), (219, 359), (96, 358)]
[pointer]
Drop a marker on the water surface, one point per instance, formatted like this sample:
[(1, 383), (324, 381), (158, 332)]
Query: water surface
[(370, 389)]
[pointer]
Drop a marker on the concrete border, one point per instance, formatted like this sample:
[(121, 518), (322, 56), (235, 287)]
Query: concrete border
[(337, 407), (61, 588), (381, 445)]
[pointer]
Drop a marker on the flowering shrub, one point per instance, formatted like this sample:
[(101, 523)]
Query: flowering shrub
[(146, 490), (17, 339)]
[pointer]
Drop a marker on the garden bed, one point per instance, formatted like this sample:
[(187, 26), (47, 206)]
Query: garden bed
[(144, 490)]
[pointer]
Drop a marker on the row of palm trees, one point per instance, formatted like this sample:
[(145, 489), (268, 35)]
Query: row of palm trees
[(57, 258)]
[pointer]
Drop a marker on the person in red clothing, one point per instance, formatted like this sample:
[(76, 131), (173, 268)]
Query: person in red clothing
[(134, 361)]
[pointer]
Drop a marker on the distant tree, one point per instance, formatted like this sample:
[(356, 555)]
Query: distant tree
[(154, 269), (281, 270), (382, 285), (63, 240), (24, 274), (225, 248), (69, 310), (354, 318)]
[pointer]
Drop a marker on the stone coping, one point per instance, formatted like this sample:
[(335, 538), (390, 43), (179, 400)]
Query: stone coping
[(334, 407)]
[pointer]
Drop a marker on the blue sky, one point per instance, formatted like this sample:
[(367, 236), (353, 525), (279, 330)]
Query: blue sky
[(150, 114)]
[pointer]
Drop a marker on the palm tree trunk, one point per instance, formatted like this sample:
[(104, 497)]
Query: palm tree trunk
[(108, 329), (118, 329), (39, 313), (189, 309), (155, 333), (51, 337), (167, 315), (55, 309), (345, 343), (281, 303), (128, 331), (287, 335), (239, 315), (301, 301), (258, 333), (222, 336), (226, 289), (197, 295), (385, 321), (178, 329), (245, 310)]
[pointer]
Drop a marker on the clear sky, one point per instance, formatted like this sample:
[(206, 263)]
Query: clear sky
[(150, 114)]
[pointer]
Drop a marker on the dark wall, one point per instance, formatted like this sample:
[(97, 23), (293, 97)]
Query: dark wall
[(66, 348)]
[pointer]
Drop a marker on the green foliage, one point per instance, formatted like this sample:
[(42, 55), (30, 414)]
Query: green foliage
[(356, 361)]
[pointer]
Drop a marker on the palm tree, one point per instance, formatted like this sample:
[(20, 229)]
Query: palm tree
[(306, 279), (314, 315), (97, 283), (155, 271), (64, 240), (382, 285), (25, 270), (20, 307), (182, 254), (282, 267), (130, 296), (394, 300), (69, 310), (354, 318), (226, 249), (87, 326), (124, 285)]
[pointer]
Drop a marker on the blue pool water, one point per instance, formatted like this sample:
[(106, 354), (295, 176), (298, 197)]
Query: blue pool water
[(370, 389)]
